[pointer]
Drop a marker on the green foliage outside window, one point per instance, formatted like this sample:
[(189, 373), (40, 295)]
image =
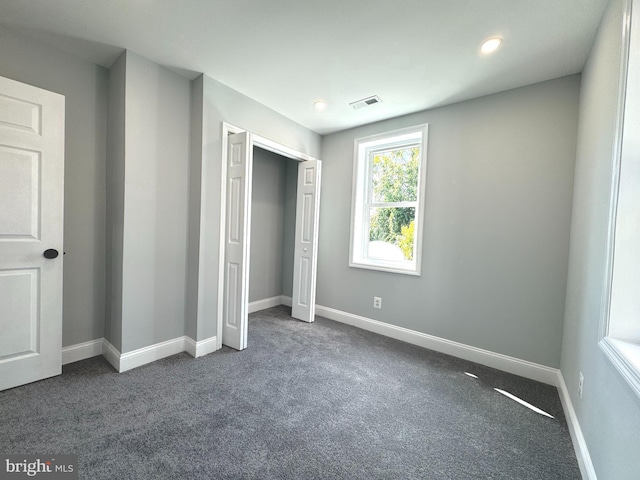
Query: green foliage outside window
[(395, 179)]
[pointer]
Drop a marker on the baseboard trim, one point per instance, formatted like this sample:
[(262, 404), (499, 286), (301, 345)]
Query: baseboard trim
[(123, 362), (523, 368), (81, 351), (111, 353), (579, 442), (201, 348), (265, 303), (144, 355), (285, 300)]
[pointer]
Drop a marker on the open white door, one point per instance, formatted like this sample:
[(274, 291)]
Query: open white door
[(31, 214), (303, 301), (236, 258)]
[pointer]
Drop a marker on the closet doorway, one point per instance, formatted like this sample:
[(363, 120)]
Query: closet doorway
[(236, 244)]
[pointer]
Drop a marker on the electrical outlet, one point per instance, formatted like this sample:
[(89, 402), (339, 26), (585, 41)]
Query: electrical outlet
[(580, 384), (377, 302)]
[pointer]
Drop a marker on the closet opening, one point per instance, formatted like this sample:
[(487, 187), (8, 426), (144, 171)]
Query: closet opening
[(265, 280), (273, 221)]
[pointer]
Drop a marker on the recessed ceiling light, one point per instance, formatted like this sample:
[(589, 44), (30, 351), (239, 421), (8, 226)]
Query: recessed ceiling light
[(320, 105), (490, 45)]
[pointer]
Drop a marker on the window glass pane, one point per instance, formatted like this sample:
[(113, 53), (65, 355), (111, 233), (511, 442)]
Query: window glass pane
[(395, 175), (391, 233)]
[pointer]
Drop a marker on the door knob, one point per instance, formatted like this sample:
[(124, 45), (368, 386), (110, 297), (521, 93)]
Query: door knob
[(50, 253)]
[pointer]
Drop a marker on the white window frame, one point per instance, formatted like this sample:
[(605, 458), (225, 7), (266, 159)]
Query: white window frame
[(361, 198), (620, 324)]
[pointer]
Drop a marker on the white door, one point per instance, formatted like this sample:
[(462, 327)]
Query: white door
[(31, 212), (303, 301), (237, 235)]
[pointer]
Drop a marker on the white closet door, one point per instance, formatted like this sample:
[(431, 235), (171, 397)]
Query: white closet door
[(31, 215), (303, 302), (236, 261)]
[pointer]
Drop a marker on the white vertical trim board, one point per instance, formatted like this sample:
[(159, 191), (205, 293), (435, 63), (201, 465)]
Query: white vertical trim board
[(81, 351), (505, 363), (579, 442)]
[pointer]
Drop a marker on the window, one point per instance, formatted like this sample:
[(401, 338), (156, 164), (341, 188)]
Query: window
[(620, 335), (388, 201)]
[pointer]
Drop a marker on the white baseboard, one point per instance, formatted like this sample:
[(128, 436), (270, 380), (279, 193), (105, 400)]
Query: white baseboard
[(81, 351), (144, 355), (265, 303), (203, 347), (136, 358), (505, 363), (579, 443), (286, 300), (111, 353)]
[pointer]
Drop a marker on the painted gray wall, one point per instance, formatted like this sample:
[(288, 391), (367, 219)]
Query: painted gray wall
[(267, 225), (498, 209), (290, 201), (115, 200), (195, 192), (85, 88), (609, 412), (156, 193), (223, 104)]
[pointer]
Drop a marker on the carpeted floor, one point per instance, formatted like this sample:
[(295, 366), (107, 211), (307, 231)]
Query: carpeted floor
[(304, 401)]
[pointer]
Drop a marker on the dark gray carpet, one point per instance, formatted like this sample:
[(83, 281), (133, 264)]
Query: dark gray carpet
[(304, 401)]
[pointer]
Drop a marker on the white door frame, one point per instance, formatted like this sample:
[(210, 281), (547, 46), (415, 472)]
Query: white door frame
[(266, 144)]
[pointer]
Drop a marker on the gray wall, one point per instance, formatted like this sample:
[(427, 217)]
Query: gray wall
[(85, 88), (223, 104), (267, 225), (195, 192), (115, 200), (495, 246), (290, 201), (156, 194), (609, 412)]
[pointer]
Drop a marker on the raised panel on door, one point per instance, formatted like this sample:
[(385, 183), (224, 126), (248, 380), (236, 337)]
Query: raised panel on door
[(31, 215), (306, 241), (236, 259)]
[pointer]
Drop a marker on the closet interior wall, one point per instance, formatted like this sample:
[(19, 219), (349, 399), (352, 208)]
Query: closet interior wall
[(273, 217)]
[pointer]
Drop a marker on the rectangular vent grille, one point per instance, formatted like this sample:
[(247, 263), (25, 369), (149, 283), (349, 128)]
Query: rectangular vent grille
[(365, 102)]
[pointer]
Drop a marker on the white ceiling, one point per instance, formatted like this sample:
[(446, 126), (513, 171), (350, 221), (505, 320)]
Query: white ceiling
[(414, 54)]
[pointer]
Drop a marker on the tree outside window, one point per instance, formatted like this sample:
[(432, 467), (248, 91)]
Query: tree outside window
[(387, 201)]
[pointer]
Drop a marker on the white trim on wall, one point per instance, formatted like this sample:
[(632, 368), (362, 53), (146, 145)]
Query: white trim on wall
[(81, 351), (265, 303), (579, 442), (144, 355), (126, 361), (202, 347), (505, 363), (111, 353)]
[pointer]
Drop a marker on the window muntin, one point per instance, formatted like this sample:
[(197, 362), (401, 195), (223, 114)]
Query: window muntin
[(389, 176)]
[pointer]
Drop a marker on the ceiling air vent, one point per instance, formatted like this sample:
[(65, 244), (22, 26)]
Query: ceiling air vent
[(365, 102)]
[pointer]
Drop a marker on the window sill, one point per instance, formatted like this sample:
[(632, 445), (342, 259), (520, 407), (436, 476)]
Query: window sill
[(625, 356), (385, 268)]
